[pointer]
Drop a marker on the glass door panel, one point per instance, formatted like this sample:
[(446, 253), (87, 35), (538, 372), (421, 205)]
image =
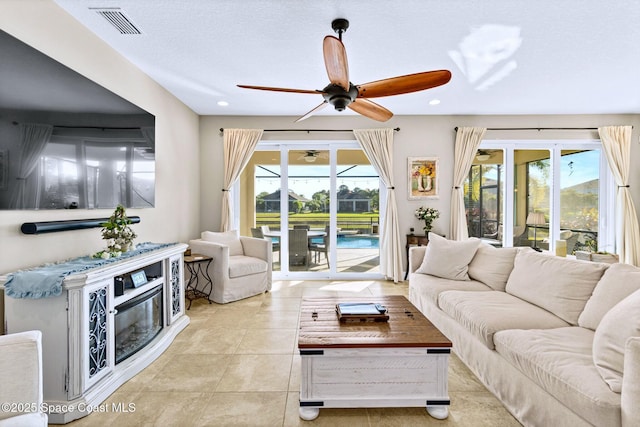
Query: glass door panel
[(309, 206), (260, 202), (579, 199), (358, 214), (484, 192), (532, 198)]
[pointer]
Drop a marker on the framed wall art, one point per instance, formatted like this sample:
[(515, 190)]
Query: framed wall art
[(423, 177)]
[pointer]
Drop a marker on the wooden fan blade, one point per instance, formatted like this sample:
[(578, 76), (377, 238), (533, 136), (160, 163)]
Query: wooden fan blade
[(371, 109), (281, 89), (404, 84), (335, 60), (312, 112)]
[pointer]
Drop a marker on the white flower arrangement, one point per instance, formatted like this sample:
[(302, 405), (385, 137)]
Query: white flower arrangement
[(428, 215)]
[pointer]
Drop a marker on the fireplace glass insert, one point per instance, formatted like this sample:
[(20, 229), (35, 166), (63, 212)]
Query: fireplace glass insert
[(137, 322)]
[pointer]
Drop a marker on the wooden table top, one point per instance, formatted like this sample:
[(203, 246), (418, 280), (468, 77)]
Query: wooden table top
[(406, 327), (196, 258)]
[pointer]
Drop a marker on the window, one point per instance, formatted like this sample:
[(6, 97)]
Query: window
[(534, 193)]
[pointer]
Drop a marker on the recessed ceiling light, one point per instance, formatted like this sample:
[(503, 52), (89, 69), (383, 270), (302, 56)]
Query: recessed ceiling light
[(434, 102), (223, 103)]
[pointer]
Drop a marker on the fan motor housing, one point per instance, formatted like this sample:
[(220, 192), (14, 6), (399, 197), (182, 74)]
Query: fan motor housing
[(338, 97)]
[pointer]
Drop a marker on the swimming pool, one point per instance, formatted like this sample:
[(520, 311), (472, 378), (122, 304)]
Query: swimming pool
[(354, 242)]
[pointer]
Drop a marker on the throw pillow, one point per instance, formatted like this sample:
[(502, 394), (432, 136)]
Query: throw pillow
[(618, 282), (620, 323), (229, 238), (448, 259), (492, 266), (559, 285)]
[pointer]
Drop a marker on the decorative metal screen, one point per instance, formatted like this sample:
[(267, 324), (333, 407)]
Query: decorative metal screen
[(98, 358), (175, 286)]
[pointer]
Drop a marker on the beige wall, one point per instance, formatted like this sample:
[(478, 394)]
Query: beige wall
[(176, 216), (418, 136)]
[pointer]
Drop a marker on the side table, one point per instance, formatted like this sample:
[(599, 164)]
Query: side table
[(413, 240), (198, 267)]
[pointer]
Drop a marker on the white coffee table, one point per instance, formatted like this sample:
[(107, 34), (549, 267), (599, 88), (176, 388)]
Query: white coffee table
[(400, 363)]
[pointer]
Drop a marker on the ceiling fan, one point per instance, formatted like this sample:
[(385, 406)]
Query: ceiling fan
[(311, 156), (341, 93)]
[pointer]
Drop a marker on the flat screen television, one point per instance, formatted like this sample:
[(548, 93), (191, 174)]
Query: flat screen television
[(67, 142)]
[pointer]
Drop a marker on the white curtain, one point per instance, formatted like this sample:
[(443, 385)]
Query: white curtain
[(467, 142), (378, 146), (33, 140), (616, 141), (239, 145)]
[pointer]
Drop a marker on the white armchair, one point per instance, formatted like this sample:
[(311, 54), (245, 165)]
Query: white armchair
[(21, 373), (241, 266)]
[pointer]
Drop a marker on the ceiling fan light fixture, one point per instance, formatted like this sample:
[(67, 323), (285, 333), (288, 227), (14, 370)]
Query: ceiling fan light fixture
[(340, 102), (309, 158), (483, 156)]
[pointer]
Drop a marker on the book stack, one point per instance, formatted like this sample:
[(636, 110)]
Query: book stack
[(357, 312)]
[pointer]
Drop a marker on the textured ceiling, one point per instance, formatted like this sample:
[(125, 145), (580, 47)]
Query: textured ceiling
[(506, 56)]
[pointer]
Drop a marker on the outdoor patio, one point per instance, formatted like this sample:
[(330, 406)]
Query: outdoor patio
[(350, 260)]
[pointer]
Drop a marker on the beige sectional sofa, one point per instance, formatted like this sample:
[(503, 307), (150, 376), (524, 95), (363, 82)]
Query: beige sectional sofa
[(557, 340)]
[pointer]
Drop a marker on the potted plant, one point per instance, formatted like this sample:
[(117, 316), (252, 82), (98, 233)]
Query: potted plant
[(428, 215), (118, 234)]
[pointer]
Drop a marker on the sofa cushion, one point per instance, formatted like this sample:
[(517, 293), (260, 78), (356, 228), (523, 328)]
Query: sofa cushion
[(559, 360), (229, 238), (431, 286), (620, 323), (492, 266), (448, 259), (618, 282), (485, 313), (240, 265), (559, 285), (631, 383)]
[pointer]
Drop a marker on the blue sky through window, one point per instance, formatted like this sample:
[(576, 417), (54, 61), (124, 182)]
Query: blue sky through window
[(578, 168)]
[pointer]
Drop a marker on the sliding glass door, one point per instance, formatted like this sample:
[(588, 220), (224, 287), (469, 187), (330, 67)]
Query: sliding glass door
[(541, 194), (320, 207)]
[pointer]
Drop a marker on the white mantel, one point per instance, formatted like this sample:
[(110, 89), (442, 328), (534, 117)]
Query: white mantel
[(73, 382)]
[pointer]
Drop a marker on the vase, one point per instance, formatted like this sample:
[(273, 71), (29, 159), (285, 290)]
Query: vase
[(414, 184), (426, 183), (427, 228)]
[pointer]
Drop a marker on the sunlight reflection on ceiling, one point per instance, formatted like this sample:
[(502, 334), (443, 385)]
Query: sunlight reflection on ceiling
[(485, 55)]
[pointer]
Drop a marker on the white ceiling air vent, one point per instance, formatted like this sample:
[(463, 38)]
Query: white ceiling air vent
[(118, 19)]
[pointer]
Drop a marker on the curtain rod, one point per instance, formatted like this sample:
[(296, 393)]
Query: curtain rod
[(310, 130), (538, 129)]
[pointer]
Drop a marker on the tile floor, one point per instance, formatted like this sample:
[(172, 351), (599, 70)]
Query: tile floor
[(237, 365)]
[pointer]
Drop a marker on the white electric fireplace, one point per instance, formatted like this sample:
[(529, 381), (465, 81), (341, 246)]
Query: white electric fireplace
[(109, 324), (137, 322)]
